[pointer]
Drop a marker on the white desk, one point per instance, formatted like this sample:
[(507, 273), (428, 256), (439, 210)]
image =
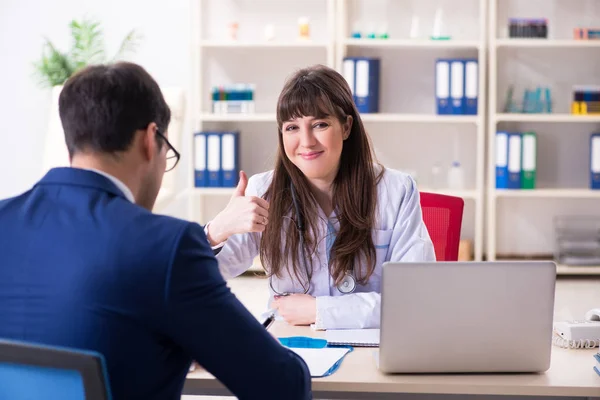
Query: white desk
[(570, 375)]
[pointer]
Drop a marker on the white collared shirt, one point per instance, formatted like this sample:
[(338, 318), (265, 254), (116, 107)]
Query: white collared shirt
[(399, 235), (122, 187)]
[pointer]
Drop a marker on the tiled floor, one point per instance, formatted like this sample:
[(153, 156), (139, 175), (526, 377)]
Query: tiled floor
[(574, 296)]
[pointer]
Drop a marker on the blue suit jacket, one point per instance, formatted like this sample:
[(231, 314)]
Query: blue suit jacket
[(81, 266)]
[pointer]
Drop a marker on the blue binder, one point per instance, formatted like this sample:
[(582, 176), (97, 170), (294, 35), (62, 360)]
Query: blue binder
[(213, 159), (366, 82), (348, 71), (457, 86), (501, 160), (442, 87), (200, 174), (230, 158), (471, 86), (595, 161), (514, 160)]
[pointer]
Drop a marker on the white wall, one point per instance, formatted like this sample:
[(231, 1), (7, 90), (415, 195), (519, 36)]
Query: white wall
[(24, 107)]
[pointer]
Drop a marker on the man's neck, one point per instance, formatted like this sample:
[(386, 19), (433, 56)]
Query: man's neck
[(108, 167)]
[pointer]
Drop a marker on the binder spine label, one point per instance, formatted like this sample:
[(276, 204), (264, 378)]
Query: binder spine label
[(529, 160), (348, 73), (200, 160), (595, 161), (501, 160), (471, 86), (442, 86), (214, 160), (457, 86), (514, 161)]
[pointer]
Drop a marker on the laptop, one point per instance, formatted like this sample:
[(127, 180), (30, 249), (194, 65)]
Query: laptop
[(455, 317)]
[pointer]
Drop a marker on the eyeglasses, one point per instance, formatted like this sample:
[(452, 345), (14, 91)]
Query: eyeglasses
[(173, 155)]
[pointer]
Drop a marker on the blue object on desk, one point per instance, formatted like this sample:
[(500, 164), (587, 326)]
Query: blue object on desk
[(335, 366), (303, 342)]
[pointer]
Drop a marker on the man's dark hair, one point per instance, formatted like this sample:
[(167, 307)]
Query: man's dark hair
[(102, 106)]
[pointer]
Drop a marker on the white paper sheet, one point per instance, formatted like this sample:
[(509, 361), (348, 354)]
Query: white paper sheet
[(320, 361)]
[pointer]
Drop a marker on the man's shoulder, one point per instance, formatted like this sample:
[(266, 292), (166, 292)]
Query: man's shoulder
[(146, 223)]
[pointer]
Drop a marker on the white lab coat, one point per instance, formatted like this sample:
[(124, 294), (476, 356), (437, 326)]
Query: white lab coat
[(399, 235)]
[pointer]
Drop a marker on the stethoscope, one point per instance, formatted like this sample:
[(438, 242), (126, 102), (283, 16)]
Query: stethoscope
[(347, 285)]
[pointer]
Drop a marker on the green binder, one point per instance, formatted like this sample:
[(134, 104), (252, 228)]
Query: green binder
[(529, 160)]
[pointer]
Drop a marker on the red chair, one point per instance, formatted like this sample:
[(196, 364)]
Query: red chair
[(442, 215)]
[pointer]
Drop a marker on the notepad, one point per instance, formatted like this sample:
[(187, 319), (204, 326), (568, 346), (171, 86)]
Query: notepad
[(321, 362), (353, 337)]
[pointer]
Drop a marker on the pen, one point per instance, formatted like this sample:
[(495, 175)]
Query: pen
[(269, 321), (270, 318)]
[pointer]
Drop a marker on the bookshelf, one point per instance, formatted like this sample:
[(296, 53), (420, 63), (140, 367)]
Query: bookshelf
[(407, 134), (397, 125), (218, 59), (519, 222), (407, 129)]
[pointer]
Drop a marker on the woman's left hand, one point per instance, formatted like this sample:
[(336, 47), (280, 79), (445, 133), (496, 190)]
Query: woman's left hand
[(296, 309)]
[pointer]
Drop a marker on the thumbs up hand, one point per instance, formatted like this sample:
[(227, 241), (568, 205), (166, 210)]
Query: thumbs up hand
[(242, 214)]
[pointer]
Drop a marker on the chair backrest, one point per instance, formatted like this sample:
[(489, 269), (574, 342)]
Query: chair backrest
[(442, 215), (33, 371)]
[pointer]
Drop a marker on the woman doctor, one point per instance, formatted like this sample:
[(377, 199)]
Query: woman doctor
[(326, 218)]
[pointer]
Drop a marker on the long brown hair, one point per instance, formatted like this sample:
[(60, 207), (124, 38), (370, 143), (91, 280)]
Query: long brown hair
[(320, 91)]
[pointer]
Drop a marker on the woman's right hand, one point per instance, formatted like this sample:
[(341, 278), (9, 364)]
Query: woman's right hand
[(243, 214)]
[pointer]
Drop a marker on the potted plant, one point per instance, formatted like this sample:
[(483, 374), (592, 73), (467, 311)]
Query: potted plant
[(87, 48), (55, 67)]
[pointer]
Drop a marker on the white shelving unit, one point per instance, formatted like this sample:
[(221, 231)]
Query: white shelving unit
[(218, 59), (223, 44), (406, 133), (550, 118), (420, 118), (412, 43), (549, 193), (417, 124), (526, 215), (545, 43)]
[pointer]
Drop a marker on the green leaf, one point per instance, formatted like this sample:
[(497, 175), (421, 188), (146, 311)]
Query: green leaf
[(54, 68), (129, 44), (88, 43)]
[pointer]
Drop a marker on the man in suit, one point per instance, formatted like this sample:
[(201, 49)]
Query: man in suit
[(85, 264)]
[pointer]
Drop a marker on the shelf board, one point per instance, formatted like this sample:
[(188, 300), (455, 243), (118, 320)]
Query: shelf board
[(421, 118), (563, 269), (259, 117), (548, 193), (567, 118), (546, 43), (375, 117), (465, 194), (213, 191), (413, 43), (232, 44), (577, 270)]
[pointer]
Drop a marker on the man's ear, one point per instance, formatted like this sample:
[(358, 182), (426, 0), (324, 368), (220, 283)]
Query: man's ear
[(347, 127), (150, 145)]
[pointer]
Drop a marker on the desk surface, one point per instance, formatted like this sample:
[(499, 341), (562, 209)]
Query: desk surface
[(570, 374)]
